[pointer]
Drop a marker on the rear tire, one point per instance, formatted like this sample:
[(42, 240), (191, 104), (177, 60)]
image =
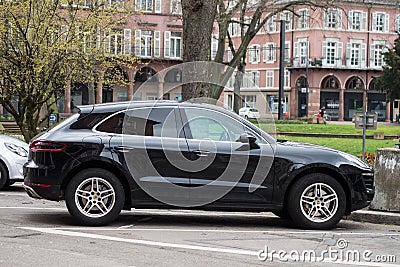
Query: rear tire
[(316, 201), (94, 197), (3, 176)]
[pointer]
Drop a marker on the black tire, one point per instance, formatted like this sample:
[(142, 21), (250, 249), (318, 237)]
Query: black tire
[(246, 117), (3, 176), (105, 199), (316, 210)]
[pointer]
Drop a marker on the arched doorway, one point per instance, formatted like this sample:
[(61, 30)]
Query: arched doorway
[(353, 97), (150, 91), (329, 96), (376, 101)]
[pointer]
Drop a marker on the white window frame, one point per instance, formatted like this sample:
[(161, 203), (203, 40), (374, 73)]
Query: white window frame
[(287, 16), (380, 22), (357, 20), (176, 7), (376, 55), (146, 48), (303, 19), (333, 18), (332, 53), (269, 79), (254, 54), (270, 25), (269, 52), (351, 51), (175, 45), (397, 23)]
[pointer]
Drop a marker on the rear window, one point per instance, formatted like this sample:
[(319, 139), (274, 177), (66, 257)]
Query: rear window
[(253, 110), (158, 122), (88, 121)]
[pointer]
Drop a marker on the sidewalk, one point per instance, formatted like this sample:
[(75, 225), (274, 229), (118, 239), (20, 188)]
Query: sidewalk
[(372, 216)]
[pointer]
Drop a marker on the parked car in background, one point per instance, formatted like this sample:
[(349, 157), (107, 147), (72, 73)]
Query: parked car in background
[(249, 113), (13, 155), (118, 156)]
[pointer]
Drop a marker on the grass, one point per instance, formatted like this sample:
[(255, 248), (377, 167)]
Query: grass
[(351, 146), (329, 129)]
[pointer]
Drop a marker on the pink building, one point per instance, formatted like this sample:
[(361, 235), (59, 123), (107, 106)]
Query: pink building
[(338, 51), (153, 35)]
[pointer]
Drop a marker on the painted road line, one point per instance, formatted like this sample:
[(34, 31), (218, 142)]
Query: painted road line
[(189, 247)]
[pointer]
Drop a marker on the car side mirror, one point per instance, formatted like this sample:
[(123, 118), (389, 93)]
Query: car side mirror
[(250, 139)]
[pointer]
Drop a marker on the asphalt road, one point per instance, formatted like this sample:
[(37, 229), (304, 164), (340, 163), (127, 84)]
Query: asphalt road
[(41, 233)]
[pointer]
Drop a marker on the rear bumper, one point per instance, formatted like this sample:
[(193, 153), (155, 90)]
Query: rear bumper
[(42, 191)]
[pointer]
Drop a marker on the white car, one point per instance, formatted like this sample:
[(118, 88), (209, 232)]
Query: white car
[(249, 113), (13, 155)]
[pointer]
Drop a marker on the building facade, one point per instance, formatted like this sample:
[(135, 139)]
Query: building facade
[(153, 35), (331, 59)]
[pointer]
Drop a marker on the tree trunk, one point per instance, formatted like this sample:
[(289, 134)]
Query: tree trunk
[(198, 21)]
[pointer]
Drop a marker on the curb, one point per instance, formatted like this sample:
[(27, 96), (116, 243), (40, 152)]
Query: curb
[(377, 217)]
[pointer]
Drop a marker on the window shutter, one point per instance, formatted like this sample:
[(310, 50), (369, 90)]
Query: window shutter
[(363, 55), (324, 45), (137, 5), (107, 42), (265, 53), (98, 39), (339, 55), (296, 49), (258, 59), (157, 6), (396, 24), (167, 44), (257, 79), (127, 41), (371, 56), (350, 19), (326, 18), (348, 54), (387, 23), (340, 16), (138, 42), (214, 46), (157, 44), (374, 21), (274, 51), (307, 18), (308, 50), (363, 21)]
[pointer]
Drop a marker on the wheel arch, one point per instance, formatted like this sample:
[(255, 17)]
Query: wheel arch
[(324, 170), (98, 164)]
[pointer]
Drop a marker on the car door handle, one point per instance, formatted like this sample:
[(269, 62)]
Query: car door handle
[(123, 148), (201, 153)]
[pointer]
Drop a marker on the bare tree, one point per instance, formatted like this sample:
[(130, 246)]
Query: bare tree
[(42, 45), (223, 16)]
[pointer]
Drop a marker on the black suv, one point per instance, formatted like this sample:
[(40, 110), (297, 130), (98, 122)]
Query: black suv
[(166, 154)]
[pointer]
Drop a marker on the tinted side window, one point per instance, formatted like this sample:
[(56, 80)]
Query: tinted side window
[(146, 122), (205, 124), (88, 121)]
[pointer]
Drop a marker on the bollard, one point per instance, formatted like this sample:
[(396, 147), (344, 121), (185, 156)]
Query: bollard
[(387, 180)]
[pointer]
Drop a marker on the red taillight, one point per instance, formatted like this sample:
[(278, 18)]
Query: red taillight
[(47, 146)]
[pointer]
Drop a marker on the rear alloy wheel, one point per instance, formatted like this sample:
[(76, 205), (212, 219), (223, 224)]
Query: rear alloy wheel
[(3, 176), (94, 197), (317, 201)]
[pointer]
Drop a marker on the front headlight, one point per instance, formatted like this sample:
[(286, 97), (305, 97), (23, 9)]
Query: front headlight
[(19, 150)]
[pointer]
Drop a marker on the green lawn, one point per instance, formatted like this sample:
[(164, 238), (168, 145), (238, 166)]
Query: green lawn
[(329, 129), (351, 146)]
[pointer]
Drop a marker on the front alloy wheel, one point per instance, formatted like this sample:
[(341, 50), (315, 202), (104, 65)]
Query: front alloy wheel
[(94, 197), (316, 201)]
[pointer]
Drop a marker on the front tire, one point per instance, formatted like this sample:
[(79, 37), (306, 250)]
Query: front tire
[(317, 201), (3, 176), (94, 197)]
